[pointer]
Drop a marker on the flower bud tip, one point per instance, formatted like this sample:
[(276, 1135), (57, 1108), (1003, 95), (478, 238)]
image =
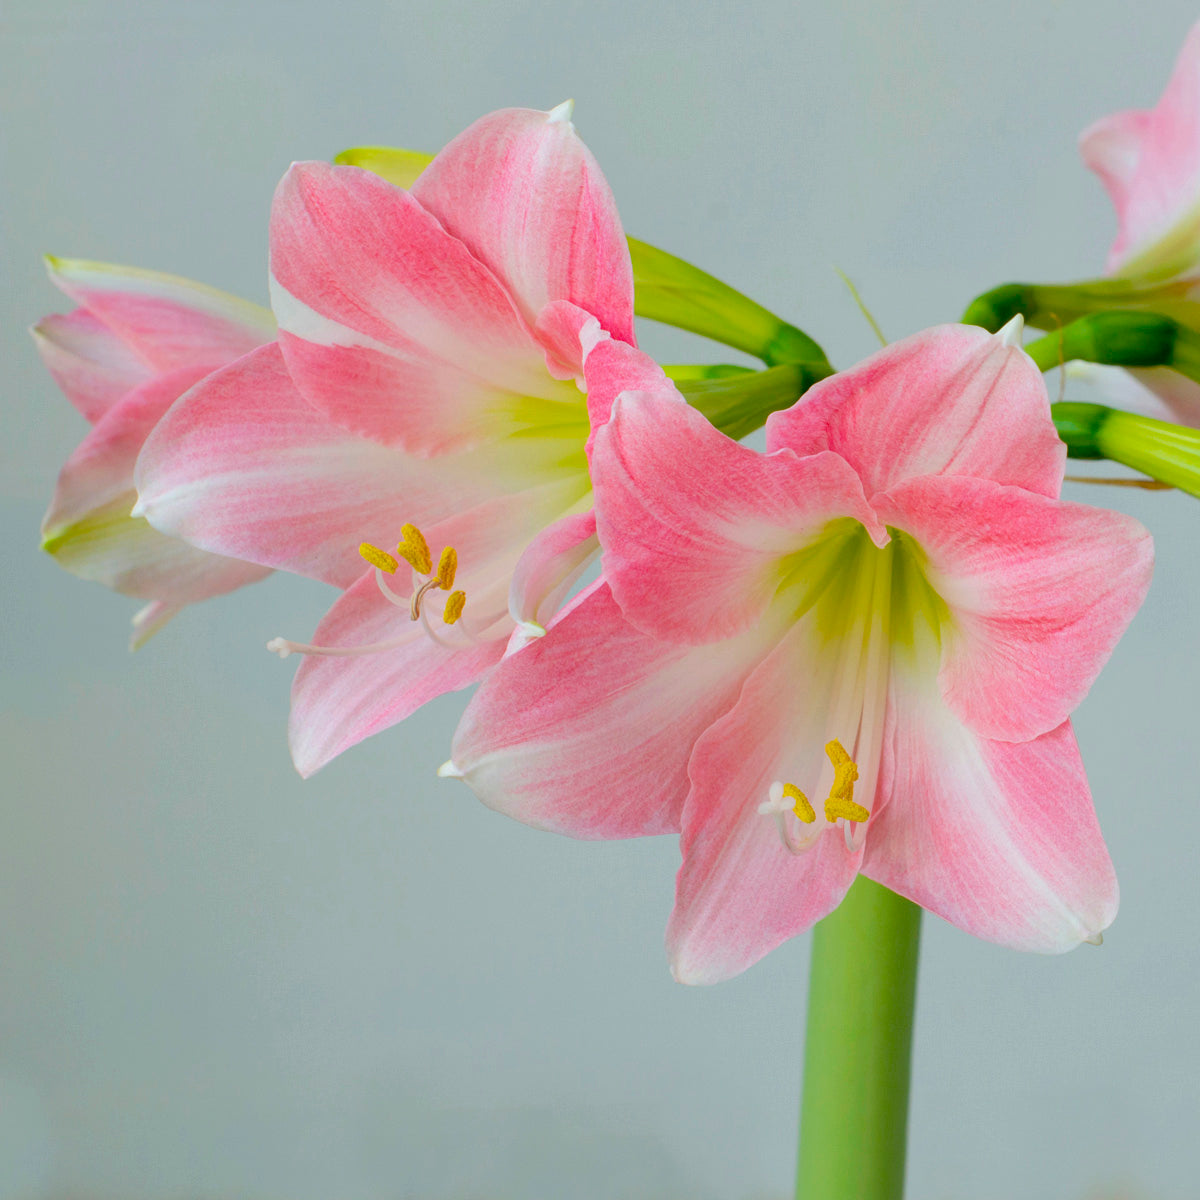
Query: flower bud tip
[(562, 112), (448, 770)]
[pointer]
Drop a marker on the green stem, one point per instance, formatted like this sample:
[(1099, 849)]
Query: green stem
[(858, 1048)]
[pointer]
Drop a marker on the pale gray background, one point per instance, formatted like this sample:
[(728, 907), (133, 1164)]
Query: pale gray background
[(219, 981)]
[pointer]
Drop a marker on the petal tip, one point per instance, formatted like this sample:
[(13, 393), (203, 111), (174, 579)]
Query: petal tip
[(448, 770), (1010, 334), (562, 113)]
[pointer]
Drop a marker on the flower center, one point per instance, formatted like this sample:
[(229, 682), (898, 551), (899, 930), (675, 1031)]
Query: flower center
[(858, 613), (413, 549)]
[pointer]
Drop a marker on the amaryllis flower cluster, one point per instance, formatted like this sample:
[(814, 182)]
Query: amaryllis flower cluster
[(857, 652)]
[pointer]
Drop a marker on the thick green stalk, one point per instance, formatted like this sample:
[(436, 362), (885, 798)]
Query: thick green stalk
[(858, 1048)]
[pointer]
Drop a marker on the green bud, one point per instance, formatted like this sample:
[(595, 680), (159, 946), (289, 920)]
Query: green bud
[(681, 372), (739, 404), (672, 291), (1120, 339), (993, 310), (1166, 452)]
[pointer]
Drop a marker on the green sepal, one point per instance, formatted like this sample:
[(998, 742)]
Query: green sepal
[(392, 163)]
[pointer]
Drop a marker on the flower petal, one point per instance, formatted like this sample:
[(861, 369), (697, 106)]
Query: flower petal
[(521, 189), (550, 566), (244, 466), (952, 400), (1039, 593), (587, 730), (391, 326), (338, 701), (999, 838), (1157, 392), (89, 528), (168, 321), (89, 362), (740, 892), (694, 526), (1150, 164)]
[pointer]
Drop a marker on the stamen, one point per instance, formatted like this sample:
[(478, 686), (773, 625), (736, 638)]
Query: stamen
[(378, 558), (414, 549), (800, 804), (454, 604), (447, 566), (418, 596), (840, 803), (283, 648)]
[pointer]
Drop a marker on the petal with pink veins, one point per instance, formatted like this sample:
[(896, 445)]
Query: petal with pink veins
[(952, 400), (243, 465), (1038, 591), (587, 731), (169, 322), (339, 700), (390, 325), (695, 528), (1000, 838), (521, 189), (88, 361), (1149, 161), (550, 566), (741, 891)]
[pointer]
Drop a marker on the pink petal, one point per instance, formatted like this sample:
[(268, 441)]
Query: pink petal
[(952, 400), (521, 189), (89, 528), (167, 321), (740, 892), (89, 362), (389, 325), (244, 466), (999, 838), (1039, 592), (101, 468), (338, 701), (1157, 392), (550, 566), (1150, 161), (587, 731), (694, 526)]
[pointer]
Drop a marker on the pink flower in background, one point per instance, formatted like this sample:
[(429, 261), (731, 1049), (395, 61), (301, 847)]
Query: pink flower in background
[(857, 652), (136, 343), (425, 400), (1149, 161)]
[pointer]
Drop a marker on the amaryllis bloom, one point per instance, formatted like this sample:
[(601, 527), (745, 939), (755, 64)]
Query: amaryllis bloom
[(137, 342), (1149, 161), (443, 356), (856, 652)]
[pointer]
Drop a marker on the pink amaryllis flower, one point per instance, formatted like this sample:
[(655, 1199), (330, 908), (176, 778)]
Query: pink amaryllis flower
[(1149, 162), (137, 341), (442, 359), (855, 653)]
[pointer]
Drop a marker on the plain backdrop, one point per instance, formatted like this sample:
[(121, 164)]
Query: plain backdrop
[(220, 981)]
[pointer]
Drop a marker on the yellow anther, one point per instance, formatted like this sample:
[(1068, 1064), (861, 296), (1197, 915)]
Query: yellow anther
[(839, 806), (378, 558), (414, 549), (841, 795), (800, 805), (447, 565), (837, 753), (454, 606)]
